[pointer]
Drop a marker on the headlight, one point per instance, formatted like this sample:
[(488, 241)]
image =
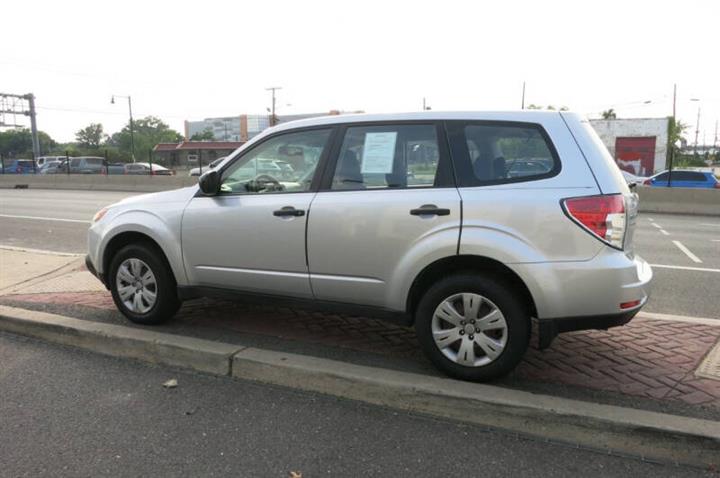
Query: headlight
[(100, 214)]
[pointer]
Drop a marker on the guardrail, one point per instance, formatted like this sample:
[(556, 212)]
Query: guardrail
[(680, 200), (659, 200), (96, 182)]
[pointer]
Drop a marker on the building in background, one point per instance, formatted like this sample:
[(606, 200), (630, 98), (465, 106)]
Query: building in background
[(242, 127), (639, 145)]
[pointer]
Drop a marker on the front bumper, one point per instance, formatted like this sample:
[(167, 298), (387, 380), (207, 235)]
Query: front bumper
[(91, 267)]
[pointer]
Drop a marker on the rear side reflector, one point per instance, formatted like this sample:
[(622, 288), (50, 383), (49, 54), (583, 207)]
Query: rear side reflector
[(602, 216), (629, 305)]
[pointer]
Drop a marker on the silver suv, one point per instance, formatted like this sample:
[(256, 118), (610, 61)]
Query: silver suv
[(466, 225)]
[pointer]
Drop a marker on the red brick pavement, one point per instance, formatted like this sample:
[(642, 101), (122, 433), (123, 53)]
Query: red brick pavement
[(646, 358)]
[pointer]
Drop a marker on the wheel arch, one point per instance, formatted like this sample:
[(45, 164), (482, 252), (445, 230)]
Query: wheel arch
[(125, 238), (467, 264)]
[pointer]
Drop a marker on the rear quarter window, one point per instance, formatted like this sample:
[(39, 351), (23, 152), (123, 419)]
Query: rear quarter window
[(488, 153)]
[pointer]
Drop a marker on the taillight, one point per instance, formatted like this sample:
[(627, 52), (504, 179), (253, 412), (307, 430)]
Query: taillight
[(603, 216), (717, 185), (647, 182)]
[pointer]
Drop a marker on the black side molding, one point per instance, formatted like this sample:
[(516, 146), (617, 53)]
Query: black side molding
[(396, 317), (548, 329)]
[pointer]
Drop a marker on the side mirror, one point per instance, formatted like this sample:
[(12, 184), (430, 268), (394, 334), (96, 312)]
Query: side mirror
[(210, 183)]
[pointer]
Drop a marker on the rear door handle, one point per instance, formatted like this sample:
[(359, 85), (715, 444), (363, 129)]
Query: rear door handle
[(288, 211), (429, 210)]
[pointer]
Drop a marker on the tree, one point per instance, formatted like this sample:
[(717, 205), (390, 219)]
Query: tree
[(148, 132), (676, 130), (206, 135), (91, 136), (609, 114), (18, 142)]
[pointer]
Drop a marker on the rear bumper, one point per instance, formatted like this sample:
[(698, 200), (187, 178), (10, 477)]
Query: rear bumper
[(548, 329), (588, 288)]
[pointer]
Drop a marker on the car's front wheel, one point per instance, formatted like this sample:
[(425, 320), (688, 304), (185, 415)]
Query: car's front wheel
[(142, 285), (472, 327)]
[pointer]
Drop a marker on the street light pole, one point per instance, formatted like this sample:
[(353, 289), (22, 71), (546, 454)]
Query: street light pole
[(522, 106), (132, 127), (697, 130)]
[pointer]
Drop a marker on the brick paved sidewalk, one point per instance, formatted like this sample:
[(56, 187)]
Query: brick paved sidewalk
[(647, 358)]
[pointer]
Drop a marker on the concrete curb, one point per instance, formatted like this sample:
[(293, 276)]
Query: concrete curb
[(146, 345), (652, 435)]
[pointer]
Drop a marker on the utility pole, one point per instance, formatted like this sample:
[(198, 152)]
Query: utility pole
[(672, 143), (425, 106), (522, 106), (273, 118)]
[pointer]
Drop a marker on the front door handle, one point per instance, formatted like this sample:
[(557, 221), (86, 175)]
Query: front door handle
[(288, 211), (430, 210)]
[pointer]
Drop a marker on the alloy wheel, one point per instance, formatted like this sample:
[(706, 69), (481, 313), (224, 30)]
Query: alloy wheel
[(469, 329)]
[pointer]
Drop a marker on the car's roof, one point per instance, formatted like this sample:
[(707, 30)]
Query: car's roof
[(518, 115), (147, 165), (688, 170)]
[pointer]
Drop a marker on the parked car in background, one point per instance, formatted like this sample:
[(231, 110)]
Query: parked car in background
[(42, 160), (147, 169), (48, 165), (18, 166), (684, 178), (83, 165), (631, 179), (116, 168), (353, 232), (196, 171)]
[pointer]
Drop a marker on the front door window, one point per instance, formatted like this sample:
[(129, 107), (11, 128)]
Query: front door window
[(286, 163)]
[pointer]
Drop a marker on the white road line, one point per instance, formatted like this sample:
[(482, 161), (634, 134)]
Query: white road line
[(40, 218), (664, 232), (650, 219), (656, 225), (708, 224), (684, 268), (687, 252), (714, 240)]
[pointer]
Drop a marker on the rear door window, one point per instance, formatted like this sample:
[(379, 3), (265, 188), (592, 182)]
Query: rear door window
[(390, 156), (501, 152)]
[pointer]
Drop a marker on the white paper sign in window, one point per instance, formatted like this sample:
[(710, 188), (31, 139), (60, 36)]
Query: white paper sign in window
[(378, 153)]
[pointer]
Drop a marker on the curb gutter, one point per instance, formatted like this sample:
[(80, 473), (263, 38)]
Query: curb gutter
[(657, 436)]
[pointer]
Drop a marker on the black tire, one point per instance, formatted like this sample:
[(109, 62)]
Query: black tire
[(166, 303), (507, 301)]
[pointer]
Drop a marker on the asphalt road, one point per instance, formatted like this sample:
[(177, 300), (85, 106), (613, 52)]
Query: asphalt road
[(57, 220), (64, 412), (54, 220)]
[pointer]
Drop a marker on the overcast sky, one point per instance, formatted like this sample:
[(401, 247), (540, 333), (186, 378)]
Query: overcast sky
[(190, 60)]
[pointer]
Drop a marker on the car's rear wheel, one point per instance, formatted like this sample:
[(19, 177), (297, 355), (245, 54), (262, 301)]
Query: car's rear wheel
[(142, 285), (472, 327)]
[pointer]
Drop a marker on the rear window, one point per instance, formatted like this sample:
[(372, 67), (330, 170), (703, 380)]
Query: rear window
[(94, 161), (498, 152)]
